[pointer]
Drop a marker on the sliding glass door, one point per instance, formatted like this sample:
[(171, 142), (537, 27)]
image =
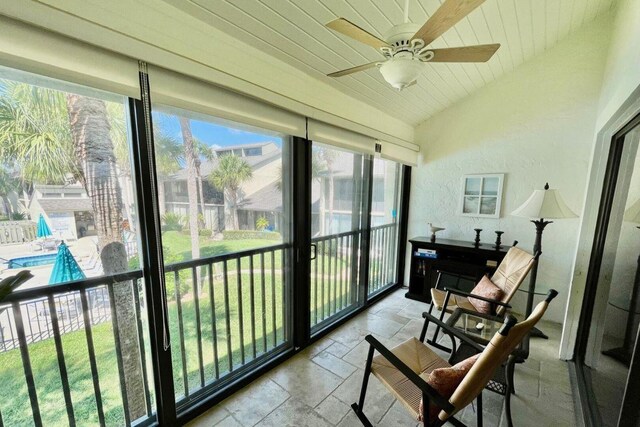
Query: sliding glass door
[(337, 206), (385, 208), (226, 241)]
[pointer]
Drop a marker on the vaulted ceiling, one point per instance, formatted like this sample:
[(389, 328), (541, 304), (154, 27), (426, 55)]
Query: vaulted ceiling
[(294, 31)]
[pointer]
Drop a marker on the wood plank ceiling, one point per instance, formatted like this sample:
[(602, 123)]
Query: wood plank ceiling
[(294, 31)]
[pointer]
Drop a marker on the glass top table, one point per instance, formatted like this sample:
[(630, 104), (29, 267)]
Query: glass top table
[(480, 328)]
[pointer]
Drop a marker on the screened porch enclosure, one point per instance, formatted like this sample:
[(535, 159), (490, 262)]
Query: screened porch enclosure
[(196, 272)]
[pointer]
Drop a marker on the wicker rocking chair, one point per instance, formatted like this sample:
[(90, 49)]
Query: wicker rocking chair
[(404, 370)]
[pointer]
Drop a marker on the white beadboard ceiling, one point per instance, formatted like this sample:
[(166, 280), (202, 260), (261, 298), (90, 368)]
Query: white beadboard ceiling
[(294, 31)]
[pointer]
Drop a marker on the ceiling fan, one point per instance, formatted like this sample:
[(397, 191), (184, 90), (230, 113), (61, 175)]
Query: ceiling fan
[(406, 46)]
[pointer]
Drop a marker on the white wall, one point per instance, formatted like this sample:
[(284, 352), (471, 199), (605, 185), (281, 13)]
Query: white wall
[(535, 125)]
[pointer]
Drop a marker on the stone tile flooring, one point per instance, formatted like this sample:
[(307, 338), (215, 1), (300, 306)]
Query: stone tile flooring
[(316, 387)]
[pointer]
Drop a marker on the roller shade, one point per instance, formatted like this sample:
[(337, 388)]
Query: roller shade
[(398, 153), (333, 135), (178, 90), (38, 51)]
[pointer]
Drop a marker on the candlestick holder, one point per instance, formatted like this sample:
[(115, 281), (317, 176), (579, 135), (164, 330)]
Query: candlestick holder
[(498, 244), (477, 241)]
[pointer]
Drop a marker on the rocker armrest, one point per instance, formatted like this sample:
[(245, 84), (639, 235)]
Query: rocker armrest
[(450, 330), (412, 376), (466, 294)]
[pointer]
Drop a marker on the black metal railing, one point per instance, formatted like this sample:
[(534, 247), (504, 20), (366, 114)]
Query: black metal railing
[(79, 374), (225, 313), (334, 275), (382, 257)]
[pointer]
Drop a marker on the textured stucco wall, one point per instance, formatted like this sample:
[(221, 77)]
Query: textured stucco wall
[(535, 125)]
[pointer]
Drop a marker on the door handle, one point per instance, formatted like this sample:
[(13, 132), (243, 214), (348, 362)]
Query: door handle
[(315, 251)]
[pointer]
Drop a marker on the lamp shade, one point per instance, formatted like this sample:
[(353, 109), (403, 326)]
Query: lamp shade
[(633, 213), (545, 203)]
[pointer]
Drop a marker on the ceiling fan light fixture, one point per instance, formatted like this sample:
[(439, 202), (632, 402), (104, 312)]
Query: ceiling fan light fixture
[(401, 72)]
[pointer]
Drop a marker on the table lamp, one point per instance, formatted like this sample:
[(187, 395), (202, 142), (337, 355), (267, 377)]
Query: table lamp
[(541, 204)]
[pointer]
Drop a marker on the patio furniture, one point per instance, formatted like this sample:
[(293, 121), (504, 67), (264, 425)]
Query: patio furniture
[(408, 370), (508, 277)]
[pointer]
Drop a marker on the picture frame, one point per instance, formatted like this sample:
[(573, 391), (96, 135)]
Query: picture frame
[(481, 195)]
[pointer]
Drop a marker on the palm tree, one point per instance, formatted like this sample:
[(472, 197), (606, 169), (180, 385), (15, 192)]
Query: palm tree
[(191, 160), (8, 185), (169, 155), (203, 151), (48, 136), (231, 173)]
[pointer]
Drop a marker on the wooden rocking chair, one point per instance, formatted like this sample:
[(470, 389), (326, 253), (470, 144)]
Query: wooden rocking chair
[(405, 369), (508, 277)]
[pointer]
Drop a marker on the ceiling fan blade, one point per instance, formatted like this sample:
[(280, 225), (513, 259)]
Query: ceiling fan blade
[(353, 69), (444, 18), (350, 29), (478, 53), (415, 82)]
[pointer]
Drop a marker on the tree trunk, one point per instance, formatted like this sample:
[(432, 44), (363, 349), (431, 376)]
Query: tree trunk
[(231, 210), (94, 150), (331, 202), (192, 185), (162, 202), (201, 194)]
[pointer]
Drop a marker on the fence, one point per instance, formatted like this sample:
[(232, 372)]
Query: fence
[(17, 232)]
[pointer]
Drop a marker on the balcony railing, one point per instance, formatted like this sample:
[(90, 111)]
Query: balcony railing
[(61, 346), (79, 374), (334, 275), (382, 257), (225, 314)]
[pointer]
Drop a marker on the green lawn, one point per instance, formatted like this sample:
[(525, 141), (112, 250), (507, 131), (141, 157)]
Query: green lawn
[(14, 401)]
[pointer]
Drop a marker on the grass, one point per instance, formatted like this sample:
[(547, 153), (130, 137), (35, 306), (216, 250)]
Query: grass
[(14, 399)]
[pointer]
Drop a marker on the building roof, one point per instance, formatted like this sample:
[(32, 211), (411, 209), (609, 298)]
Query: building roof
[(208, 166), (65, 204), (268, 199), (243, 146)]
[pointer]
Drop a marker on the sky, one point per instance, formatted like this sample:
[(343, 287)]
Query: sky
[(214, 135)]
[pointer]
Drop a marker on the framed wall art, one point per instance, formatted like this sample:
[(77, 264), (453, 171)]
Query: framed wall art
[(482, 195)]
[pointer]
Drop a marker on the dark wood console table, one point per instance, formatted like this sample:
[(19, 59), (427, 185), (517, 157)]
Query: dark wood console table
[(454, 256)]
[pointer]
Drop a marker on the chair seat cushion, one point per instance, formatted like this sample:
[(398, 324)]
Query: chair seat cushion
[(485, 288), (438, 296), (420, 358), (445, 381)]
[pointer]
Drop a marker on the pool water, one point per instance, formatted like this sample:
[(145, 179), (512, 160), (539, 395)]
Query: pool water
[(32, 261)]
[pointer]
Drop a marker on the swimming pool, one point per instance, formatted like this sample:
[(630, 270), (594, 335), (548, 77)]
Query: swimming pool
[(31, 261)]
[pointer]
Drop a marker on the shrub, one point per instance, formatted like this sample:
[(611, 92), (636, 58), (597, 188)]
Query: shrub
[(205, 232), (18, 216), (250, 234), (170, 278), (172, 222), (262, 223)]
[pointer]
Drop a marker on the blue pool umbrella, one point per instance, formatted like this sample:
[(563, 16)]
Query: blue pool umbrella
[(43, 228), (65, 269)]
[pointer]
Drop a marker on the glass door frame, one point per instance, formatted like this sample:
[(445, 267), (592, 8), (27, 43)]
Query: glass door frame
[(590, 413)]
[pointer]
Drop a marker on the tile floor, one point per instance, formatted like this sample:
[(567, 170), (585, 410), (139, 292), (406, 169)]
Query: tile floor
[(316, 387)]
